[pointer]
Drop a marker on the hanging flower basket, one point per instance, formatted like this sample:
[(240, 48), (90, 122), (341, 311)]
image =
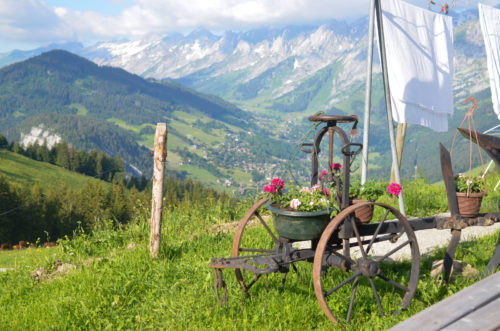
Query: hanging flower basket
[(363, 214), (299, 225), (469, 204)]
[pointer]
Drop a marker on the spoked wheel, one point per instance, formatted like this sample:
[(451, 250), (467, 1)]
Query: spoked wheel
[(257, 240), (392, 286)]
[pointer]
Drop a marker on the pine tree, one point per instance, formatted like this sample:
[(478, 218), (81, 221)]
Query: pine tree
[(119, 205), (62, 158), (43, 152), (3, 142)]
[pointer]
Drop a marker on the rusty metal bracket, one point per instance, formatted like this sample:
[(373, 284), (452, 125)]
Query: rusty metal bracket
[(457, 222), (218, 284)]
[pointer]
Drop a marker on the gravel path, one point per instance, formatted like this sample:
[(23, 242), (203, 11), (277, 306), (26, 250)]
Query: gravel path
[(430, 239), (427, 240)]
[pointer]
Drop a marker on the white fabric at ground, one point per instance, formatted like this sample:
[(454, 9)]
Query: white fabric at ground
[(419, 48), (489, 18)]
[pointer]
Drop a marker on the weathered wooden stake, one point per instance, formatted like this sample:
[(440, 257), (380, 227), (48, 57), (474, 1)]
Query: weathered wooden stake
[(400, 143), (160, 155)]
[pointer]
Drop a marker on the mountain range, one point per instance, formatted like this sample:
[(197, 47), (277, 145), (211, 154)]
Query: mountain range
[(288, 69), (61, 96), (279, 75)]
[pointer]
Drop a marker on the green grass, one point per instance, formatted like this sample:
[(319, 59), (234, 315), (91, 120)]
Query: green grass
[(199, 174), (18, 114), (26, 172), (81, 109), (29, 259), (196, 134), (116, 285), (129, 127)]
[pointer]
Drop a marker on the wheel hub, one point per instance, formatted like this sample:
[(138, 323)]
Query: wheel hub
[(368, 267)]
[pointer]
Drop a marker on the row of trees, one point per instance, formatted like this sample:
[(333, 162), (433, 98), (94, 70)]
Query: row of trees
[(34, 214), (94, 164), (53, 213)]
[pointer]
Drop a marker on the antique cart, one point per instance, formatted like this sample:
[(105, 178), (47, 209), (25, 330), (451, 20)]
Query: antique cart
[(334, 241)]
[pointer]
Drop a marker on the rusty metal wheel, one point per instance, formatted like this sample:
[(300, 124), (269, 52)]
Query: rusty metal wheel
[(257, 240), (392, 285)]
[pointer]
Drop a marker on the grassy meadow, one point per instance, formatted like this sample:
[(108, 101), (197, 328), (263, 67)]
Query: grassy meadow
[(26, 172), (112, 283)]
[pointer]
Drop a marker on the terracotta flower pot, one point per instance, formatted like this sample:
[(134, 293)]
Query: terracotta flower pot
[(363, 214), (469, 205)]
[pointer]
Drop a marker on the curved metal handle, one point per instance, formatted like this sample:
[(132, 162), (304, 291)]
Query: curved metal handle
[(308, 151), (351, 153), (474, 102)]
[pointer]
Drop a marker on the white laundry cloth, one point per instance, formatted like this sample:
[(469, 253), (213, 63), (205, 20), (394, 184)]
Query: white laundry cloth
[(489, 19), (419, 49)]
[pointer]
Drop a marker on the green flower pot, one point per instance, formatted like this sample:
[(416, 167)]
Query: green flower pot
[(299, 225)]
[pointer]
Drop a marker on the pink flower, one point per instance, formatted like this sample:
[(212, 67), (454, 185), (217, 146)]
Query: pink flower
[(295, 203), (315, 187), (326, 192), (269, 188), (336, 166), (394, 188), (323, 173), (276, 186), (305, 189), (278, 182), (311, 203)]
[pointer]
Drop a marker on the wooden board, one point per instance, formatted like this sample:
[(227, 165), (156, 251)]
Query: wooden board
[(474, 308)]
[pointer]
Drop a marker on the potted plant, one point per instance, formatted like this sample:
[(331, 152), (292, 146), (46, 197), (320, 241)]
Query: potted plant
[(369, 191), (470, 192), (300, 213)]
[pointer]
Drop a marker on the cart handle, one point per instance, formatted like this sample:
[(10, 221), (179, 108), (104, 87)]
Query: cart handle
[(351, 153), (308, 151)]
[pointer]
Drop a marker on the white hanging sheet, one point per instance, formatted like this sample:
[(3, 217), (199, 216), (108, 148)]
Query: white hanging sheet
[(489, 19), (419, 49)]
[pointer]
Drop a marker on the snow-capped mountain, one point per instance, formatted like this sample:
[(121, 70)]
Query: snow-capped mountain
[(298, 68)]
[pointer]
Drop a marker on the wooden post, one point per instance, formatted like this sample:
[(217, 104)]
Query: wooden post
[(400, 143), (160, 155)]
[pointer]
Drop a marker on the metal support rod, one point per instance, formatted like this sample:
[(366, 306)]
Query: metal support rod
[(368, 94), (331, 132), (383, 60)]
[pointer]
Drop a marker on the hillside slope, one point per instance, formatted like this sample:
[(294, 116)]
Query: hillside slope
[(26, 172)]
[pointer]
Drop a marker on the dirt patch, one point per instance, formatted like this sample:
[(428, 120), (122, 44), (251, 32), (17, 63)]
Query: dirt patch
[(61, 269)]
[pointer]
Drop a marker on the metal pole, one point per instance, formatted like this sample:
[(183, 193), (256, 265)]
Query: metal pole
[(368, 95), (383, 60)]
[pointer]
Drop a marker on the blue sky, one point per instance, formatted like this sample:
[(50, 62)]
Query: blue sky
[(26, 24)]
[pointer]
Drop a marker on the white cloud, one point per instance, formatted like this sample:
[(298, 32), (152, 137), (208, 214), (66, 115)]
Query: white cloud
[(28, 20), (34, 20)]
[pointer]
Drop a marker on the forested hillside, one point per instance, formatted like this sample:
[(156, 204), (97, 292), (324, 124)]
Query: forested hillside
[(46, 211), (68, 97)]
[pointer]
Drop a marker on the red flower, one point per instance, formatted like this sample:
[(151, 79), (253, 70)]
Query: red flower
[(336, 166), (327, 193), (269, 188), (323, 173), (276, 186), (394, 188), (278, 182)]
